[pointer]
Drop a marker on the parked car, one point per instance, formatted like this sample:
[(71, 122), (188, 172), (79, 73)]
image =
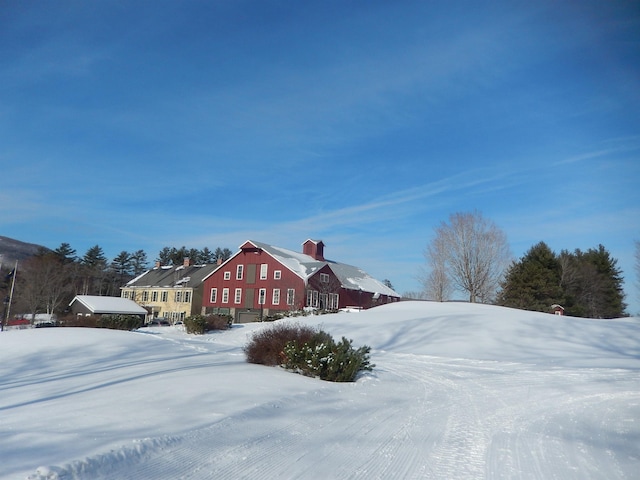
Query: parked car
[(158, 322)]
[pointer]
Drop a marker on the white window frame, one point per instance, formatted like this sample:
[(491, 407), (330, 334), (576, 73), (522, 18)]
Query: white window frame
[(291, 296), (154, 296), (178, 296), (324, 277), (313, 298), (187, 296), (164, 296), (262, 296), (277, 274), (334, 301), (227, 275), (239, 271), (275, 300), (238, 296), (264, 270), (225, 295), (213, 298)]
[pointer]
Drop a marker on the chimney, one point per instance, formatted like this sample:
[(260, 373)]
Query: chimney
[(187, 262), (219, 261), (314, 248), (158, 263)]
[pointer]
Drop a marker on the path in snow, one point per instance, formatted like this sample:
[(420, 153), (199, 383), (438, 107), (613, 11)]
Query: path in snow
[(414, 417)]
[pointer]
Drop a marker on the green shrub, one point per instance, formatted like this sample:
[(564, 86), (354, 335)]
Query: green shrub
[(199, 324), (120, 322), (308, 351), (322, 357)]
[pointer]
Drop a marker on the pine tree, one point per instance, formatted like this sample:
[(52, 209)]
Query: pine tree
[(593, 284), (533, 282)]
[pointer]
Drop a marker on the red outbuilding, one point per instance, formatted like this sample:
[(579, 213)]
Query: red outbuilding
[(262, 280)]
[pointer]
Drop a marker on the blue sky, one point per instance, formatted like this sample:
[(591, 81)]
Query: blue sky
[(138, 125)]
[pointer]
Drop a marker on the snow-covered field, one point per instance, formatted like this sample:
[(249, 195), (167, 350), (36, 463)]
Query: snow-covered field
[(459, 391)]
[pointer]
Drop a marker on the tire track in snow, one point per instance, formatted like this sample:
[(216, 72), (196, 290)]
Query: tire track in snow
[(416, 417)]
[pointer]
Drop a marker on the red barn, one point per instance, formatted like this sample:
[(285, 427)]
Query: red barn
[(261, 280)]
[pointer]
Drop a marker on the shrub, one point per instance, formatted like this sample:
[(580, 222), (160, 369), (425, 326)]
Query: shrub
[(195, 324), (322, 357), (199, 324), (267, 346), (120, 322), (308, 351), (218, 322)]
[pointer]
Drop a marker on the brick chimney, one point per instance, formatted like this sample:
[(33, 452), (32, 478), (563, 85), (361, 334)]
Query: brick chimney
[(186, 262), (158, 263), (314, 248)]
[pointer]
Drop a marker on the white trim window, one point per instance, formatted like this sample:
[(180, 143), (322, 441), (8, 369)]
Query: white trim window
[(276, 296), (164, 296), (225, 295), (264, 270), (334, 301), (313, 298), (324, 278), (178, 297), (238, 296), (239, 272), (154, 296), (291, 296), (277, 274), (214, 295), (262, 296), (227, 275)]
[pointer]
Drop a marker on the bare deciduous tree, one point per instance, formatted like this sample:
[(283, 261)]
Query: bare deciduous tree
[(472, 253), (436, 283)]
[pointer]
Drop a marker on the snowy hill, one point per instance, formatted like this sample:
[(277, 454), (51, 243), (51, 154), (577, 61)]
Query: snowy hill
[(459, 391)]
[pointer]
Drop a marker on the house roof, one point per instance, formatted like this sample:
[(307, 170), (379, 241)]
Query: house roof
[(306, 266), (173, 276), (98, 304)]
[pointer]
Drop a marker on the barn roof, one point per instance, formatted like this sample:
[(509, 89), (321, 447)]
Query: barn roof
[(305, 266)]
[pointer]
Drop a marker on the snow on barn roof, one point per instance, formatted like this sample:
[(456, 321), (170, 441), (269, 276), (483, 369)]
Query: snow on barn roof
[(305, 266), (99, 304)]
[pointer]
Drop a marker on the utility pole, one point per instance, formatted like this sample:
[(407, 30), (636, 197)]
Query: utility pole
[(14, 273)]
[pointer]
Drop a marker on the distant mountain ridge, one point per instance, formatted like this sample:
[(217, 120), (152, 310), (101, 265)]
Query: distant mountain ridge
[(12, 250)]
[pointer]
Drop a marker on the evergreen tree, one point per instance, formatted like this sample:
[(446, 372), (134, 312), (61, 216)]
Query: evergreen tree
[(593, 284), (66, 253), (138, 262), (533, 282), (94, 267)]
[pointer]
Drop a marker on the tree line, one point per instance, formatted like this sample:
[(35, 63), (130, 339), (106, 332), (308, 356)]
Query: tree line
[(48, 281), (470, 254)]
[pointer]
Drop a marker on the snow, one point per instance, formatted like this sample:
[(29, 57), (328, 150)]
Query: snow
[(459, 391)]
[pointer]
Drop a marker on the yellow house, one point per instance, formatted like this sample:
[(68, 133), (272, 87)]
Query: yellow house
[(169, 292)]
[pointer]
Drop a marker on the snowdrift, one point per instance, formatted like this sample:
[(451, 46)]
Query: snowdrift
[(459, 391)]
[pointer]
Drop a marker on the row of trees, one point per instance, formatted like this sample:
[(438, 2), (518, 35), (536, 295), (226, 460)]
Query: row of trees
[(48, 281), (586, 284), (470, 254)]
